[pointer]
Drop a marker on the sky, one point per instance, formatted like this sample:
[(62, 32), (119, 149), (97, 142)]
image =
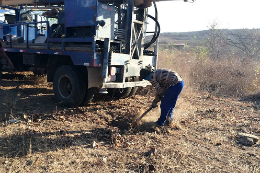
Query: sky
[(179, 16)]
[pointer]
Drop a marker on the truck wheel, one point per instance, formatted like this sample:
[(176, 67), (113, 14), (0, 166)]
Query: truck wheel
[(69, 86), (133, 91), (89, 95), (119, 92)]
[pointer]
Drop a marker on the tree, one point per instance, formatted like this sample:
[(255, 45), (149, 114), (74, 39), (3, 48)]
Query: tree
[(215, 41), (246, 40)]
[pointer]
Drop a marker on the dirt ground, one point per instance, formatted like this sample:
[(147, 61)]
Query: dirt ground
[(39, 135)]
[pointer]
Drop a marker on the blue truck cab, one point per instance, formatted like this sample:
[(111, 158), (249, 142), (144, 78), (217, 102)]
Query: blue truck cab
[(82, 45)]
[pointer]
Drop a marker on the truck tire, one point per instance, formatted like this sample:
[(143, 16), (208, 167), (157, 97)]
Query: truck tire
[(69, 86), (119, 92), (133, 91), (89, 95)]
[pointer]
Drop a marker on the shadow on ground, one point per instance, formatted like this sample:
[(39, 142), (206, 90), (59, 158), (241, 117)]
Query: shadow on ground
[(31, 142)]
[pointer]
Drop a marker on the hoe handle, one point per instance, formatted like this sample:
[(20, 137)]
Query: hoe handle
[(143, 114)]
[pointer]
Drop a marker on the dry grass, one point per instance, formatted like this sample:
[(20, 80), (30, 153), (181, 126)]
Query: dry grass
[(101, 137), (230, 77)]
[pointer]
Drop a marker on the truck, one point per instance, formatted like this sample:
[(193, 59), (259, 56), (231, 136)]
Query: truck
[(83, 46)]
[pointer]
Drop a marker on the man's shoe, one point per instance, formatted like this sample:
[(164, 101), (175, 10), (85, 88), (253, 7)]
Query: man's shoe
[(155, 124), (169, 121)]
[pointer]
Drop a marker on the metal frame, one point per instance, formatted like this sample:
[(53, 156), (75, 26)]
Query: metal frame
[(133, 33)]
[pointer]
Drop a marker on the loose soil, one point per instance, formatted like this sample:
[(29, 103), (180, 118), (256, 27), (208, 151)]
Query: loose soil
[(37, 134)]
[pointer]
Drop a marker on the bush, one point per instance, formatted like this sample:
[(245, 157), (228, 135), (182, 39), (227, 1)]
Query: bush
[(230, 77)]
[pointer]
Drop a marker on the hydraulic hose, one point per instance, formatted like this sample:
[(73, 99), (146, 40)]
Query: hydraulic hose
[(156, 35)]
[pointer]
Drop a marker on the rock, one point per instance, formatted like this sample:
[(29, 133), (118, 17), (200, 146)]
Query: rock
[(151, 168), (245, 135), (148, 154), (246, 141)]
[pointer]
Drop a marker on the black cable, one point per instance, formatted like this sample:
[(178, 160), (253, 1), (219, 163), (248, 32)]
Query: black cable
[(156, 35)]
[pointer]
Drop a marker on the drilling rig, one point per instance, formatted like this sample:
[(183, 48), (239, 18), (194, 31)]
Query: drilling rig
[(83, 46)]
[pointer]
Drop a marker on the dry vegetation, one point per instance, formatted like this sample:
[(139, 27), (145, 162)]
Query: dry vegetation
[(220, 99)]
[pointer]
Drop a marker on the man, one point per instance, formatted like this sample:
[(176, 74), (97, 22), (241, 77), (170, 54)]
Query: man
[(168, 85), (9, 62)]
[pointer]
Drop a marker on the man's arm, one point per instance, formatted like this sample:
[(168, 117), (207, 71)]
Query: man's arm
[(3, 55), (155, 83), (159, 91)]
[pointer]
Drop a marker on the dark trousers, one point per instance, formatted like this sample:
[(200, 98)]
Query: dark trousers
[(169, 101)]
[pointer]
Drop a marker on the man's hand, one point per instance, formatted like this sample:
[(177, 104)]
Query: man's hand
[(155, 102)]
